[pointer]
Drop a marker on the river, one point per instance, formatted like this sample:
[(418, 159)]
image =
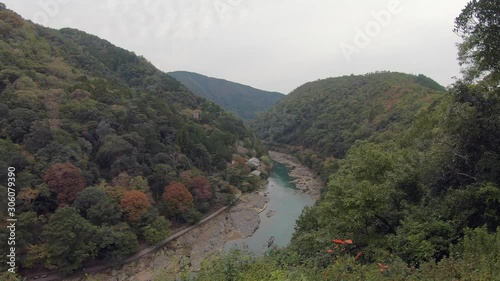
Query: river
[(287, 202)]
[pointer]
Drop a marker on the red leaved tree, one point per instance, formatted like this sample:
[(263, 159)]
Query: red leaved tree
[(66, 180), (177, 197), (200, 187), (135, 204)]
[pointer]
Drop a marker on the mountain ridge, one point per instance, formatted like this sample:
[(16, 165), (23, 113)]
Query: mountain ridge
[(243, 100)]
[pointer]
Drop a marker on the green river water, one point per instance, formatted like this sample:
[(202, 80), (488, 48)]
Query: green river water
[(286, 202)]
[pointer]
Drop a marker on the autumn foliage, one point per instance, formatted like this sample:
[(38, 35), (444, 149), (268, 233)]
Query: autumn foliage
[(65, 180), (343, 246), (200, 187), (177, 198), (135, 204), (239, 160), (242, 163)]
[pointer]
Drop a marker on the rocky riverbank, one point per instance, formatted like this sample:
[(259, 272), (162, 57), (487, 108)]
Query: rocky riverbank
[(244, 218), (304, 178), (190, 249)]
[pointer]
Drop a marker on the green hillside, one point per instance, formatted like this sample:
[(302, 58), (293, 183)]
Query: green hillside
[(106, 150), (243, 100), (329, 115)]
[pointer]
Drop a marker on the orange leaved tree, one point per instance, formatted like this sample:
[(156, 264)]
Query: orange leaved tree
[(135, 204), (177, 198)]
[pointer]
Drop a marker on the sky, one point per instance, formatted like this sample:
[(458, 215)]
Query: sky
[(274, 45)]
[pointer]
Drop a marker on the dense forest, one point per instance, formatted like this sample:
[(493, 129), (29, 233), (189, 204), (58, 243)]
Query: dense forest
[(242, 100), (327, 116), (412, 170), (108, 153)]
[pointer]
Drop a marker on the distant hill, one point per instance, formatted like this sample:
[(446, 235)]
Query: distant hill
[(329, 115), (243, 100)]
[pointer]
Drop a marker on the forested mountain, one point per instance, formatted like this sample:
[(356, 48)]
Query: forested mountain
[(105, 149), (328, 115), (243, 100), (413, 190)]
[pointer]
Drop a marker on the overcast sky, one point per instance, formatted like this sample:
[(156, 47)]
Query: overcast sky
[(274, 45)]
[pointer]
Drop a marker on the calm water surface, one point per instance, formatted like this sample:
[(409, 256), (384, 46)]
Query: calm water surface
[(287, 204)]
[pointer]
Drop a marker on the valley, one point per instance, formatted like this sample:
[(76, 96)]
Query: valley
[(127, 172)]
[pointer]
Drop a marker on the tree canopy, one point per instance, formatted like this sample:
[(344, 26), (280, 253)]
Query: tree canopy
[(177, 197), (65, 180), (135, 204), (479, 27)]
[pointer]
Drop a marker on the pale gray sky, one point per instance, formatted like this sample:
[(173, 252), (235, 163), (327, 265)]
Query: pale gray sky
[(274, 45)]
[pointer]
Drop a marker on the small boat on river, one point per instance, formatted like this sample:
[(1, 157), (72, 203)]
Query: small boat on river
[(270, 242)]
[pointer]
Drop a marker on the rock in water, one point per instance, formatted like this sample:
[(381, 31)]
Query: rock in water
[(270, 213)]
